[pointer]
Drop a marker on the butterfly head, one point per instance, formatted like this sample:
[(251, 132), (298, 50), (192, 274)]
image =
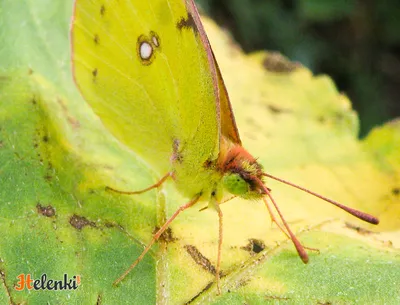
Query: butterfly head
[(242, 174)]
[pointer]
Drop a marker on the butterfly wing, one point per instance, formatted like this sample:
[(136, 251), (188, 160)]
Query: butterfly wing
[(227, 119), (147, 71)]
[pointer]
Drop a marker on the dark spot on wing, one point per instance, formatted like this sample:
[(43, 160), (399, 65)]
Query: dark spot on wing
[(48, 211), (147, 46), (102, 10), (396, 191), (96, 39), (208, 164), (94, 74), (187, 24), (254, 246), (79, 222)]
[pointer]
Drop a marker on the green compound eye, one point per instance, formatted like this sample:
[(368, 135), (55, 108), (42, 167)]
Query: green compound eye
[(235, 184)]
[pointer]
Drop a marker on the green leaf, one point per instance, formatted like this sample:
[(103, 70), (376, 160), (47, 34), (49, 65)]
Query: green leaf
[(56, 159)]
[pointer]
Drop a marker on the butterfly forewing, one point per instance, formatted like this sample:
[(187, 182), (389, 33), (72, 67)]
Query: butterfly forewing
[(143, 68)]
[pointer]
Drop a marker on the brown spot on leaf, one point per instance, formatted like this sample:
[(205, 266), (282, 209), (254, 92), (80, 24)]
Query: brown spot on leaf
[(277, 110), (274, 297), (208, 286), (166, 236), (242, 282), (276, 62), (339, 116), (274, 109), (74, 123), (200, 259), (48, 211), (251, 122), (98, 302), (358, 229), (8, 290), (254, 246), (109, 225), (78, 222), (176, 155)]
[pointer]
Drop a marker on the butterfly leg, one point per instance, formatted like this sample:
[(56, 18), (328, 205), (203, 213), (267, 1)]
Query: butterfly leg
[(299, 247), (155, 185), (220, 238), (273, 219), (156, 237)]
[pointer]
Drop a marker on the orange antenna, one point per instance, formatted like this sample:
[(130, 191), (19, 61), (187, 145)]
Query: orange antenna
[(361, 215)]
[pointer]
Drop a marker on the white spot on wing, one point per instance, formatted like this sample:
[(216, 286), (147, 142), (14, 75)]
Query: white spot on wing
[(145, 50), (155, 41)]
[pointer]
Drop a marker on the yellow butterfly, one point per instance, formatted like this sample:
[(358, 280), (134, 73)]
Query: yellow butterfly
[(148, 71)]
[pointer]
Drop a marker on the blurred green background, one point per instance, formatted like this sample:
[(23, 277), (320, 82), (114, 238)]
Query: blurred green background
[(356, 42)]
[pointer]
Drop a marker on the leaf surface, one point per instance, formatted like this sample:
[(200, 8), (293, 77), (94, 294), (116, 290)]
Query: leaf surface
[(56, 158)]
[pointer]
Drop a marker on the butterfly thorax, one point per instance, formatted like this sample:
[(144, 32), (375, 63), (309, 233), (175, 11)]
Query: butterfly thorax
[(234, 171)]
